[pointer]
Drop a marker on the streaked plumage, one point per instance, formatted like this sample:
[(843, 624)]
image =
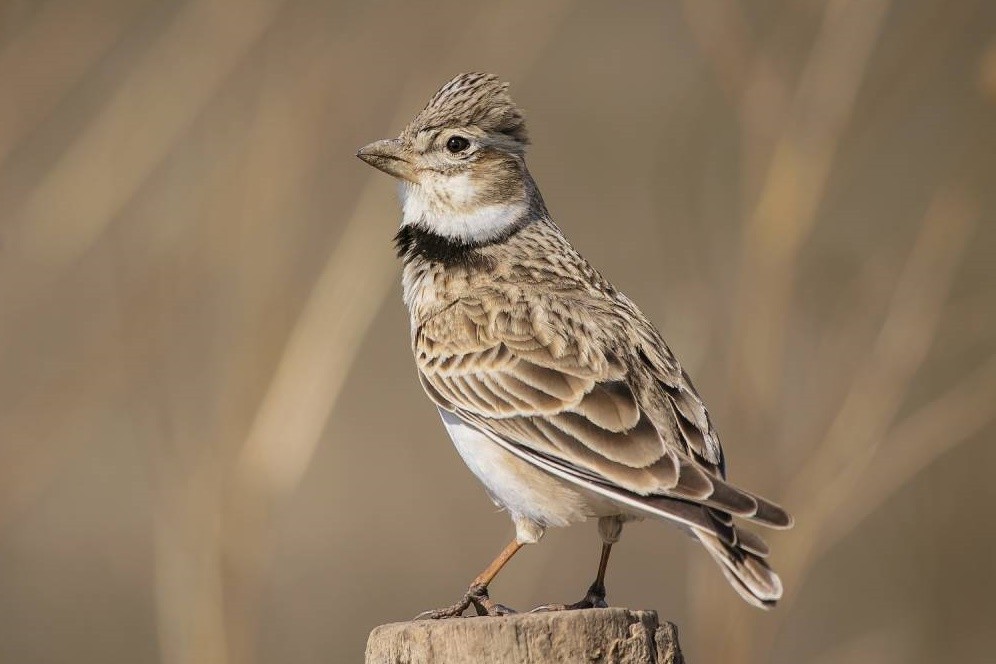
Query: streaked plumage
[(558, 392)]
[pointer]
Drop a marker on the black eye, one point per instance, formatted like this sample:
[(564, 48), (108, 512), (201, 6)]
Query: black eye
[(457, 144)]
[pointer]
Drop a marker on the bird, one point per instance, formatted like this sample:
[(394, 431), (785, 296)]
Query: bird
[(559, 394)]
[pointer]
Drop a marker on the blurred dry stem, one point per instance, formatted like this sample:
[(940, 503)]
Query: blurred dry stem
[(878, 390), (802, 159), (890, 645), (70, 208), (987, 72), (841, 464), (33, 76), (796, 178)]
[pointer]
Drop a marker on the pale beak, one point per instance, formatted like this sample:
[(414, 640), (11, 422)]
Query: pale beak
[(387, 156)]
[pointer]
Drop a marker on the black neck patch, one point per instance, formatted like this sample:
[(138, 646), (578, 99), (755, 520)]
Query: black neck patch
[(414, 241)]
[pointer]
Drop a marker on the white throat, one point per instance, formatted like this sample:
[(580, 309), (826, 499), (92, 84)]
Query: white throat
[(459, 219)]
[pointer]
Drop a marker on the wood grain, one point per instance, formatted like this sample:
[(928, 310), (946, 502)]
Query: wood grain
[(616, 636)]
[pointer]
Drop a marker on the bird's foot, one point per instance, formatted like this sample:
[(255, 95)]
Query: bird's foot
[(476, 596), (593, 599)]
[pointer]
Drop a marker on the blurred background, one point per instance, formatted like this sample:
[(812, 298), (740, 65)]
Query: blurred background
[(213, 445)]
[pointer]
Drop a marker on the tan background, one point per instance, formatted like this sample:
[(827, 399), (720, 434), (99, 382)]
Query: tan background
[(213, 447)]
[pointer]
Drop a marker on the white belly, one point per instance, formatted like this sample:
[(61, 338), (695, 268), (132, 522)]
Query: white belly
[(533, 498)]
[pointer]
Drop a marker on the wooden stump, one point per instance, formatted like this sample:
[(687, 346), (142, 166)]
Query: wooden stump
[(609, 636)]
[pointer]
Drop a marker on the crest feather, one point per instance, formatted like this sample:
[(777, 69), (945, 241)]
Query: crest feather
[(475, 99)]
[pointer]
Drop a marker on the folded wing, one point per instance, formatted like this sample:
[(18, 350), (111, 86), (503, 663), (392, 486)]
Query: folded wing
[(624, 422)]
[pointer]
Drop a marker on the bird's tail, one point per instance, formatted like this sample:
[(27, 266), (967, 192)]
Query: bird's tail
[(742, 561), (739, 552)]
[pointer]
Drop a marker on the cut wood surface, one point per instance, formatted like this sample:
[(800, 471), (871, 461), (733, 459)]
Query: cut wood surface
[(616, 636)]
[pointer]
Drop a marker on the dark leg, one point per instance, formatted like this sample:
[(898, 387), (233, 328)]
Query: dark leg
[(477, 594), (595, 597)]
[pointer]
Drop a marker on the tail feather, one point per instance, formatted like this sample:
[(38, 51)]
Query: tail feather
[(753, 542), (771, 515), (696, 485), (740, 553), (747, 505), (746, 571)]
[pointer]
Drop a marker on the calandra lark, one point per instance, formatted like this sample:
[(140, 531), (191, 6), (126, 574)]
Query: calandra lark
[(559, 394)]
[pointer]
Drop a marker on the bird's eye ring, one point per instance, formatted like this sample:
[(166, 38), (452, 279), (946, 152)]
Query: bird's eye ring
[(457, 144)]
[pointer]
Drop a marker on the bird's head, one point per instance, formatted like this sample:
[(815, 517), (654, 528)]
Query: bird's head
[(460, 161)]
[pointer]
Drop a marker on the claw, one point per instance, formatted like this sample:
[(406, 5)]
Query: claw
[(494, 609), (476, 596), (454, 611), (593, 599)]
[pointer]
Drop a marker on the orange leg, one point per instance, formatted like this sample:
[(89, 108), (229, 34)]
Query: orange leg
[(477, 594), (491, 571)]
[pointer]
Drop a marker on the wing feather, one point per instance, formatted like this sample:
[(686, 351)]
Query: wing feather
[(624, 423), (610, 406), (638, 447)]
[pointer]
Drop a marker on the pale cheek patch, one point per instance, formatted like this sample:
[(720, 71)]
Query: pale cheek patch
[(403, 190), (416, 203), (447, 206), (461, 190)]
